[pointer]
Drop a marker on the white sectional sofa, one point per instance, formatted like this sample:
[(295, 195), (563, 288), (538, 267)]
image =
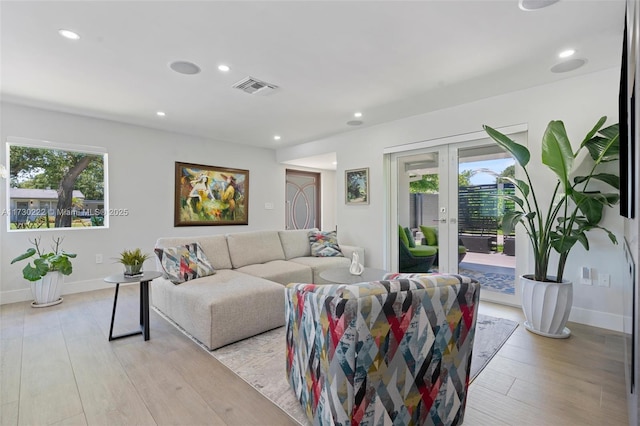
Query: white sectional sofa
[(245, 296)]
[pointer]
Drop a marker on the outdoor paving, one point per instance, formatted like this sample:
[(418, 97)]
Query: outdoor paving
[(494, 271), (495, 259)]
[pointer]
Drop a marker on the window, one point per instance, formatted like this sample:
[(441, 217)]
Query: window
[(52, 185)]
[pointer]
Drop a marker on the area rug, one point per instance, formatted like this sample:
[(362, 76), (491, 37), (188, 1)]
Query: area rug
[(493, 278), (260, 361)]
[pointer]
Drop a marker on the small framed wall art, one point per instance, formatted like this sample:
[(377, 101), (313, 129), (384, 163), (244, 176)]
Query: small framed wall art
[(210, 195), (356, 186)]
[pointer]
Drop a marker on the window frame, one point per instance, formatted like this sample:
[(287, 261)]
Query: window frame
[(51, 145)]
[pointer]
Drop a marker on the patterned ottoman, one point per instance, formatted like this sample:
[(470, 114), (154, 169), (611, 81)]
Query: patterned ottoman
[(389, 352)]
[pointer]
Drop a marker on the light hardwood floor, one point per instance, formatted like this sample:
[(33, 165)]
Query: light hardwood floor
[(57, 368)]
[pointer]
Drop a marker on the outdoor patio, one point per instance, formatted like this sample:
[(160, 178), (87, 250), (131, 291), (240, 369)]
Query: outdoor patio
[(495, 271)]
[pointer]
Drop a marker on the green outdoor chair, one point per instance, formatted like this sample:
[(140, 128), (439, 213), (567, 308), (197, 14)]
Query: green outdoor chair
[(431, 240), (419, 258)]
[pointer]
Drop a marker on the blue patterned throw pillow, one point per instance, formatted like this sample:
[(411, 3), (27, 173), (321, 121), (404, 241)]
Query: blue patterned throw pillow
[(184, 263), (324, 244)]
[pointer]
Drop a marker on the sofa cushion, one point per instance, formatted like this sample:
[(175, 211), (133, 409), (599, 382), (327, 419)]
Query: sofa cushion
[(320, 264), (213, 246), (221, 308), (324, 244), (249, 248), (410, 239), (403, 236), (295, 242), (430, 234), (421, 251), (185, 262), (280, 271)]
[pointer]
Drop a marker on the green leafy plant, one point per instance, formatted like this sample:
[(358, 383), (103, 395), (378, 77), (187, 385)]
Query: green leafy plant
[(55, 260), (574, 208), (132, 257)]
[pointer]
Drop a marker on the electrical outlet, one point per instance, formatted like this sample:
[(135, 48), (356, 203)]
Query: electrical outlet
[(268, 206), (585, 276), (604, 280), (98, 258)]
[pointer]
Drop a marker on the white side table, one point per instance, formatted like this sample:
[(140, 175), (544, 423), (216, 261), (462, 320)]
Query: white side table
[(144, 280)]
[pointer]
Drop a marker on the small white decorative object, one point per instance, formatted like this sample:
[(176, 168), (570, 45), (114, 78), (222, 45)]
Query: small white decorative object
[(356, 267)]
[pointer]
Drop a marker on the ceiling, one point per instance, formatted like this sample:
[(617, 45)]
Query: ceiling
[(330, 59)]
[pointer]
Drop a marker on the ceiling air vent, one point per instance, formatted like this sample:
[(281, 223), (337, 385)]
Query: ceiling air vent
[(253, 86)]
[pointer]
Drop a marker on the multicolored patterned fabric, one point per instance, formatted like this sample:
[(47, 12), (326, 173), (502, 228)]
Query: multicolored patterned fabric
[(382, 353), (324, 244), (184, 263)]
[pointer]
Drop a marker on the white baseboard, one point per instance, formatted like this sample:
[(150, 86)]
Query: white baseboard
[(597, 319), (13, 296), (24, 295)]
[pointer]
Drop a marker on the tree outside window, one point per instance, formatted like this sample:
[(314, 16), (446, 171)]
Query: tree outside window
[(52, 187)]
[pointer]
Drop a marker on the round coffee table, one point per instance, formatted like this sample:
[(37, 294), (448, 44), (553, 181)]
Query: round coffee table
[(343, 276)]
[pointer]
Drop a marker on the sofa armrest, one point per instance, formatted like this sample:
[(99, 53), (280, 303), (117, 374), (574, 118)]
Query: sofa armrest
[(347, 251)]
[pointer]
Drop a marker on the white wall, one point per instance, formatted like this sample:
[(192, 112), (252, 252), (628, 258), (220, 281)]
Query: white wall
[(578, 101), (329, 207), (141, 168)]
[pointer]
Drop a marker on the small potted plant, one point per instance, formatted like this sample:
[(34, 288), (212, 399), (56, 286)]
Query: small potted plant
[(132, 261), (46, 273)]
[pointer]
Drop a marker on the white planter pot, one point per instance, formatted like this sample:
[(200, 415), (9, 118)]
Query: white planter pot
[(132, 270), (46, 291), (546, 307)]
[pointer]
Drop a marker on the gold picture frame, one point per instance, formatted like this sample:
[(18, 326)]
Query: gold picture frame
[(210, 195)]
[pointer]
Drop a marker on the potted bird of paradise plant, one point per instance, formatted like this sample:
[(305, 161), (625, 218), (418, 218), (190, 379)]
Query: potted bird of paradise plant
[(575, 208)]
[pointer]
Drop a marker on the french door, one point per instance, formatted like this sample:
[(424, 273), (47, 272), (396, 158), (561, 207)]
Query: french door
[(455, 188)]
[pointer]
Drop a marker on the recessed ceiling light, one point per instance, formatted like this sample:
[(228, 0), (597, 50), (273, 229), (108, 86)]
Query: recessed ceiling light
[(529, 5), (223, 68), (566, 53), (570, 65), (335, 163), (184, 67), (69, 34), (357, 114), (276, 137), (161, 114)]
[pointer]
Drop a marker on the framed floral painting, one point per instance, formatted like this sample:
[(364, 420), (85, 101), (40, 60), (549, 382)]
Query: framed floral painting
[(210, 195)]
